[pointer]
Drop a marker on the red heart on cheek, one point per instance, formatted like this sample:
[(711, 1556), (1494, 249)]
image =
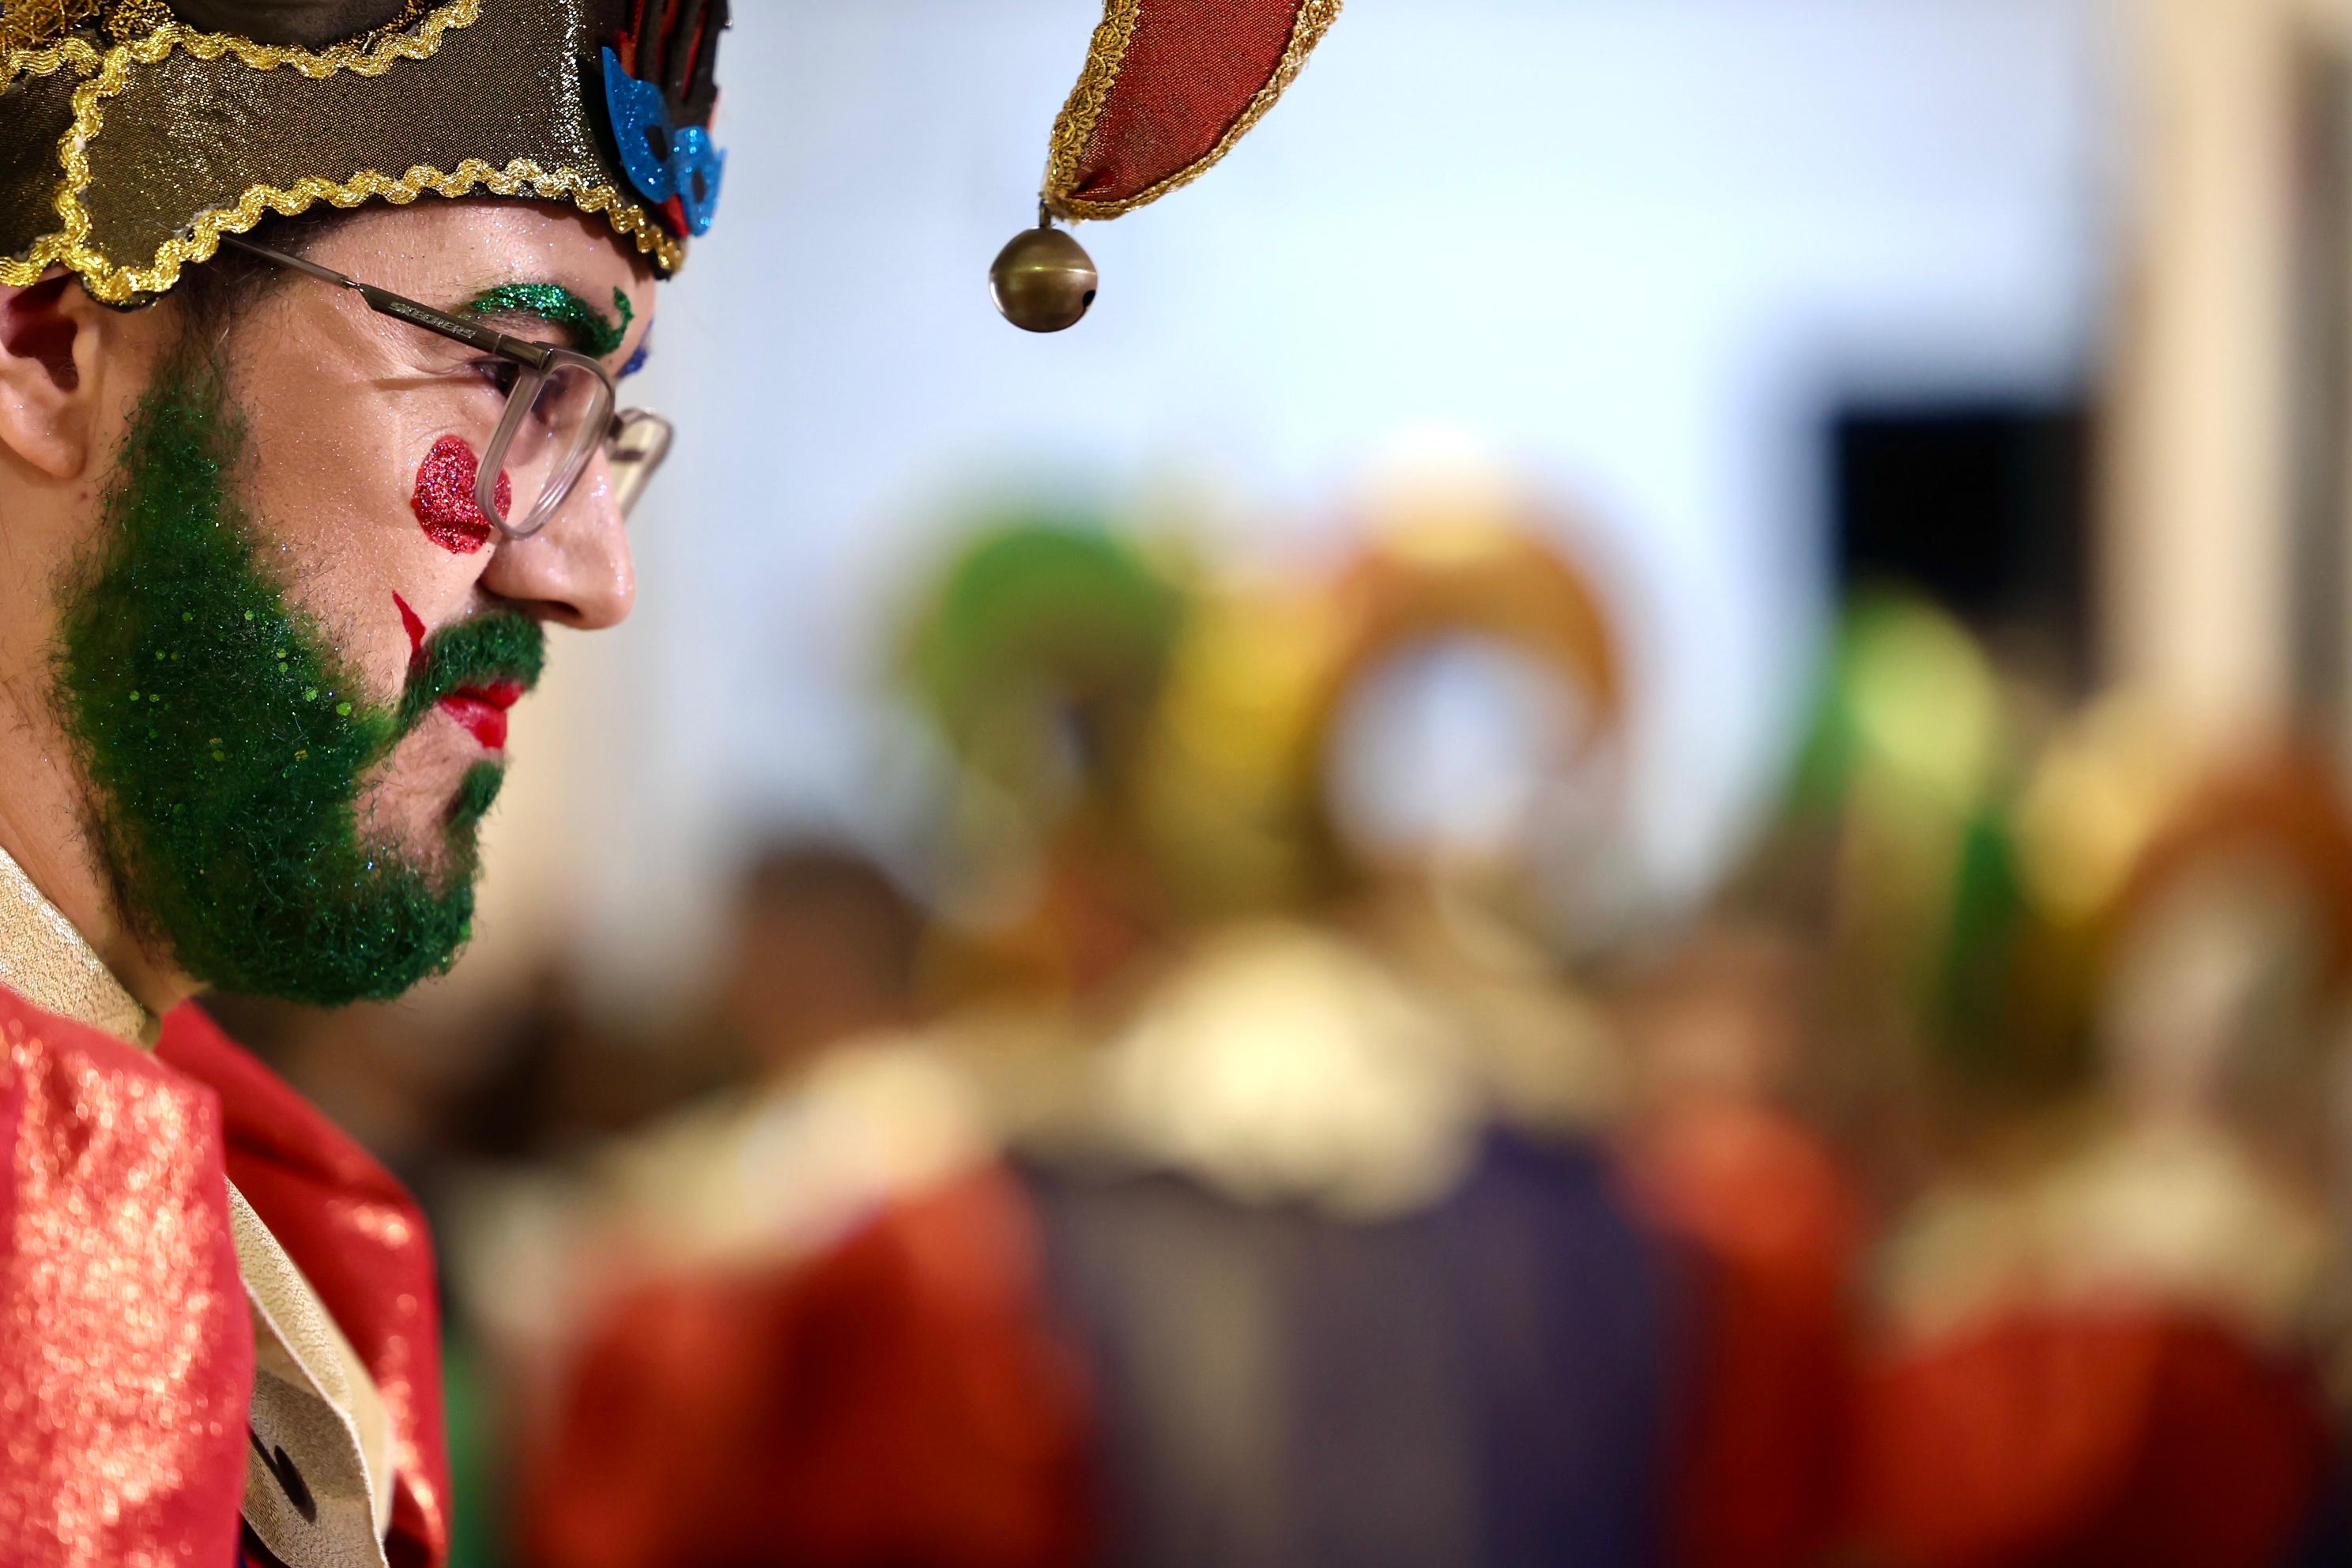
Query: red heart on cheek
[(444, 501)]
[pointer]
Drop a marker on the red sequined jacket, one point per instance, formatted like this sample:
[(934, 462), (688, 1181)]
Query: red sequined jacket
[(127, 1354)]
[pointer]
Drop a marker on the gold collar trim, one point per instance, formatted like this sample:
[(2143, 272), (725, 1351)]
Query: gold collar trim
[(319, 1472), (46, 960)]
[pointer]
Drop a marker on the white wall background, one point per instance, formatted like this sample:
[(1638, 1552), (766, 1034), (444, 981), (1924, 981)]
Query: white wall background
[(1637, 246)]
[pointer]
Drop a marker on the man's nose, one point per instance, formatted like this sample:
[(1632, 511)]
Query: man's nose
[(577, 569)]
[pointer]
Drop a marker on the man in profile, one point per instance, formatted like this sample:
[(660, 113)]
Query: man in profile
[(313, 320), (297, 461)]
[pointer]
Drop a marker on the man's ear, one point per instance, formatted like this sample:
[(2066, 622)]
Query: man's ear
[(50, 333)]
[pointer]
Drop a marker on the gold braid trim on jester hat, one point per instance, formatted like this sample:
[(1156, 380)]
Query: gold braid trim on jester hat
[(1170, 86), (134, 133)]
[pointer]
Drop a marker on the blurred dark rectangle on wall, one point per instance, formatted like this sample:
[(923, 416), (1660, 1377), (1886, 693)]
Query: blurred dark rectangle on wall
[(1984, 506)]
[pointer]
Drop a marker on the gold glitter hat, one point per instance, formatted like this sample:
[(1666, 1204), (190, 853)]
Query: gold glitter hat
[(134, 133)]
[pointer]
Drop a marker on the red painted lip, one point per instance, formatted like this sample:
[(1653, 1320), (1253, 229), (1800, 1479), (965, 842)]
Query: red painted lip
[(482, 710)]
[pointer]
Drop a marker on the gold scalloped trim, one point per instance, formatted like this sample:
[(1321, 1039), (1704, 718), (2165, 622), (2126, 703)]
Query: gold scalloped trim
[(370, 55), (117, 285), (1105, 56), (79, 53)]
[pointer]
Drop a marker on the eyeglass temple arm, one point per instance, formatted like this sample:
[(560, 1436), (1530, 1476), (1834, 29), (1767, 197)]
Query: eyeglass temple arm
[(384, 302)]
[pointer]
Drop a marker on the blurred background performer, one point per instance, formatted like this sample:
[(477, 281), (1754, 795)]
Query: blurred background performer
[(2110, 1320), (1726, 1151), (862, 1370), (1349, 1101), (283, 550), (805, 1325), (838, 1347)]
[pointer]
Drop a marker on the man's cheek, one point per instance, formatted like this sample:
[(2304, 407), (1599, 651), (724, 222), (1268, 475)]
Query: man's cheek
[(444, 496)]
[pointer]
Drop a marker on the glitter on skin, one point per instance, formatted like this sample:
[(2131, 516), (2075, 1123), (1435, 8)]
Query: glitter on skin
[(592, 332), (443, 501)]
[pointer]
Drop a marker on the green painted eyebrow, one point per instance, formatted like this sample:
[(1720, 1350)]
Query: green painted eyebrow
[(592, 332)]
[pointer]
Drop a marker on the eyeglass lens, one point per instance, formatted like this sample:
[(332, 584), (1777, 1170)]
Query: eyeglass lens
[(639, 442), (543, 444)]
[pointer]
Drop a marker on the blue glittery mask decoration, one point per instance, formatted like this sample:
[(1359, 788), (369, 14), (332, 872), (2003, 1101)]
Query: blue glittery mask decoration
[(661, 160)]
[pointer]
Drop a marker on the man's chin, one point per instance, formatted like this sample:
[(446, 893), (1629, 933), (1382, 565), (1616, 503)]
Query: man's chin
[(477, 793), (443, 869), (364, 917), (358, 924), (429, 796), (445, 859)]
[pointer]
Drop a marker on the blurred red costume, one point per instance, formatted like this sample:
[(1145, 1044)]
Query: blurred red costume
[(2152, 1440), (1777, 1238), (891, 1400), (128, 1360), (2042, 1436), (2114, 1399)]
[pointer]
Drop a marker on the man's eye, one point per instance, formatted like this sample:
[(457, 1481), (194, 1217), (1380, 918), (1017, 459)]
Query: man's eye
[(499, 372)]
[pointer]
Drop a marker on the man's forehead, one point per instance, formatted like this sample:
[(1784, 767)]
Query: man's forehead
[(449, 254)]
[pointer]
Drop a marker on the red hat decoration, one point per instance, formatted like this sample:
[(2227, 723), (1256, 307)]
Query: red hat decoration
[(1170, 86)]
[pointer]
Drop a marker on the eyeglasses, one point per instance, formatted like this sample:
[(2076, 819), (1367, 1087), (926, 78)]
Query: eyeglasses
[(559, 410)]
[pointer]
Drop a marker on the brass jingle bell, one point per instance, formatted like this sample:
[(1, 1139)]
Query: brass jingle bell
[(1044, 280)]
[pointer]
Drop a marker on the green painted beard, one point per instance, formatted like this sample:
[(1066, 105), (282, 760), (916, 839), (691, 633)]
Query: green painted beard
[(227, 742)]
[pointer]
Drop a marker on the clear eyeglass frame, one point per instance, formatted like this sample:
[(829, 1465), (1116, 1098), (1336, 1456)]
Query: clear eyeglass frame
[(636, 440)]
